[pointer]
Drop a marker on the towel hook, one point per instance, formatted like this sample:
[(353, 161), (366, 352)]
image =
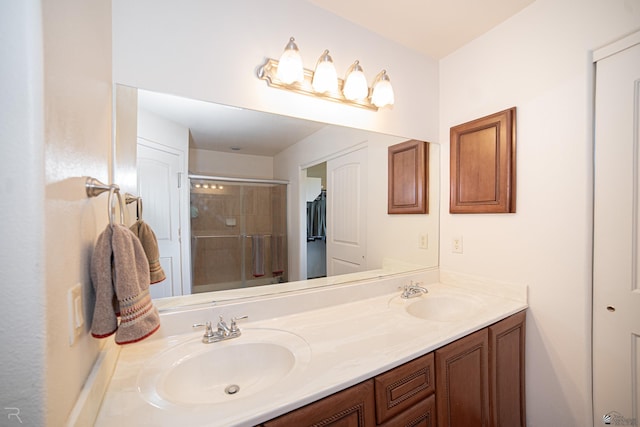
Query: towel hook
[(130, 198), (139, 208), (114, 189)]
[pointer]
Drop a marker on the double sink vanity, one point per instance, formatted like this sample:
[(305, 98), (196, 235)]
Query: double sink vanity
[(356, 354)]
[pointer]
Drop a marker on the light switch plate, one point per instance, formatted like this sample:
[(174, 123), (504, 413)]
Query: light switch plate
[(75, 312)]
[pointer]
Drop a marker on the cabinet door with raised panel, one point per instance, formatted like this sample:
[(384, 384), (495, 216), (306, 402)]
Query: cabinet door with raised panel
[(462, 387), (353, 407), (506, 371)]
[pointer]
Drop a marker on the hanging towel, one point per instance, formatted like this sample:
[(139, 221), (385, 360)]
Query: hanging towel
[(257, 255), (105, 321), (120, 277), (150, 245), (277, 255)]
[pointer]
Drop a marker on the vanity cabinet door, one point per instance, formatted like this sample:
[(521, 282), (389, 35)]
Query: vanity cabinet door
[(403, 387), (353, 407), (506, 371), (462, 371)]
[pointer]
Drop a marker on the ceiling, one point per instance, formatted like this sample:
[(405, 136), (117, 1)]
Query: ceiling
[(218, 127), (433, 27)]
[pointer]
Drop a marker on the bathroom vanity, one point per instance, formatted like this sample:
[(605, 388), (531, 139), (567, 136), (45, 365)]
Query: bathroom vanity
[(477, 380), (355, 354)]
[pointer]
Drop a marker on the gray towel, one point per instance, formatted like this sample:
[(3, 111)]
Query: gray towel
[(277, 255), (257, 255), (120, 277), (150, 245)]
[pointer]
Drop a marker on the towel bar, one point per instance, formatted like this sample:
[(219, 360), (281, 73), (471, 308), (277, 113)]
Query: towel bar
[(95, 187)]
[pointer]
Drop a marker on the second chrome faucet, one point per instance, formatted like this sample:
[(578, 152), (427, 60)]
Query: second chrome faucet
[(413, 290), (222, 332)]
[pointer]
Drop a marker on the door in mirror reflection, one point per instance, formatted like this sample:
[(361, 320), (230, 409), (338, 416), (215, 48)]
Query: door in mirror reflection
[(238, 234), (158, 180), (346, 216)]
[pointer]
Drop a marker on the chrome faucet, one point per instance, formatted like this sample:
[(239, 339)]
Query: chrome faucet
[(413, 290), (223, 332)]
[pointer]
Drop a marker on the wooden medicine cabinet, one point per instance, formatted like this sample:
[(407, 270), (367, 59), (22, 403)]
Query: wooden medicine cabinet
[(483, 165), (408, 178)]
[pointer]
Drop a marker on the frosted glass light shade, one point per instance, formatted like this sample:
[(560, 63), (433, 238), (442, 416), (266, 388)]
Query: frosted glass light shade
[(325, 77), (290, 68), (355, 85), (382, 91)]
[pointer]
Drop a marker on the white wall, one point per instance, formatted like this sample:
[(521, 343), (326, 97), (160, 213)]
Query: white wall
[(162, 131), (23, 332), (56, 128), (206, 162), (211, 50), (540, 62), (77, 105)]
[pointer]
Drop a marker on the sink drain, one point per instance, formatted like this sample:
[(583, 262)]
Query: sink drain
[(232, 389)]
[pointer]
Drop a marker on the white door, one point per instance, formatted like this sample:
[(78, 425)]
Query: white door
[(159, 175), (616, 289), (346, 213)]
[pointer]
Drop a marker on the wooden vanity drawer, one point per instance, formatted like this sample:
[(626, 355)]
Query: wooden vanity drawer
[(403, 387), (422, 414), (352, 407)]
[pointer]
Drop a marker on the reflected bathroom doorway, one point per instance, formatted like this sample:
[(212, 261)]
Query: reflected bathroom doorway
[(316, 185)]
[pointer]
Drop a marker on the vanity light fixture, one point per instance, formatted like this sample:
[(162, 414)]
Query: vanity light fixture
[(355, 85), (290, 69), (382, 91), (323, 81), (325, 77)]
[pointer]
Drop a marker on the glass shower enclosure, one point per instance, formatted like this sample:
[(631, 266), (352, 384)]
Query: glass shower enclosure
[(238, 233)]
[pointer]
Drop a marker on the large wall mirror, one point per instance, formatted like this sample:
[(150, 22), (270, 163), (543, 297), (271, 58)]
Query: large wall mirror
[(270, 157)]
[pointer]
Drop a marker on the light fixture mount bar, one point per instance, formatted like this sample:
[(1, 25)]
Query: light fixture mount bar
[(268, 72)]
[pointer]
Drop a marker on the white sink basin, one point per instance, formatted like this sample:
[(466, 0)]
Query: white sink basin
[(440, 308), (193, 373)]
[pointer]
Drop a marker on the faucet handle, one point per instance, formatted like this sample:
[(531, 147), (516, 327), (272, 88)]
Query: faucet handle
[(208, 332), (234, 327)]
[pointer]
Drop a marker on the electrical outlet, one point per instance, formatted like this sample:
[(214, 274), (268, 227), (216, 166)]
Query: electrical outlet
[(423, 241), (456, 245), (75, 312)]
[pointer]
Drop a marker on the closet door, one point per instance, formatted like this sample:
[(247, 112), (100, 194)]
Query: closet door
[(616, 280), (346, 213)]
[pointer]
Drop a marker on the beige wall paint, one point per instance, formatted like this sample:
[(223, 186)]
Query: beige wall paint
[(77, 112), (540, 62), (56, 128)]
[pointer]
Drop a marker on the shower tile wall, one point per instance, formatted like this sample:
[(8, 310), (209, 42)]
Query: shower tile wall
[(220, 220)]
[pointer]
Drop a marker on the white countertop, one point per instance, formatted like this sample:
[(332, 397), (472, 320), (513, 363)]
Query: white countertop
[(348, 343)]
